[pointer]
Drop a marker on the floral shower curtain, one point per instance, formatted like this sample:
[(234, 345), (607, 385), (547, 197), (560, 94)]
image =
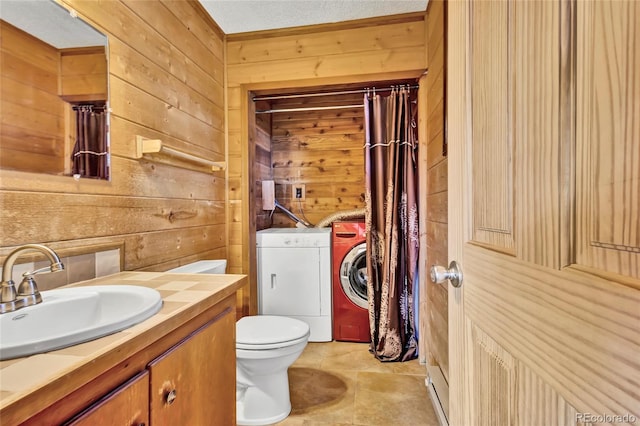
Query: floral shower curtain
[(89, 155), (392, 223)]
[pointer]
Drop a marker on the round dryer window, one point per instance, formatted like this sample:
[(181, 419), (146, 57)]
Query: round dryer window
[(353, 275)]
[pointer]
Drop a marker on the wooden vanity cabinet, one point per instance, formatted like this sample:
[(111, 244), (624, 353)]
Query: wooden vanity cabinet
[(189, 384), (186, 377)]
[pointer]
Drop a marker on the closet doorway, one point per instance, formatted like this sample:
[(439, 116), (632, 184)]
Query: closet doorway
[(321, 149)]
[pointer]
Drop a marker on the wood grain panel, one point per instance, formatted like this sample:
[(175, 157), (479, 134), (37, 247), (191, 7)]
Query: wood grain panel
[(200, 24), (546, 319), (437, 178), (343, 65), (138, 106), (494, 380), (539, 403), (438, 344), (457, 88), (132, 177), (321, 159), (120, 21), (608, 130), (437, 211), (435, 169), (83, 74), (32, 120), (169, 248), (26, 93), (192, 368), (22, 117), (435, 233), (146, 75), (128, 404), (537, 156), (262, 162), (29, 49), (93, 215), (330, 142), (351, 177), (347, 41), (318, 148), (161, 18), (491, 60)]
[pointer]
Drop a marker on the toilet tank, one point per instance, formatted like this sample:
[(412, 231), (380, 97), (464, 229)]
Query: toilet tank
[(217, 266)]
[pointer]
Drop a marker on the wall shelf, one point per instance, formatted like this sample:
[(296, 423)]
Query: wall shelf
[(155, 148)]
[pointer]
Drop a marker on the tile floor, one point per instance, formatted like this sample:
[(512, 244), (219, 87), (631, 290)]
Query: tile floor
[(341, 383)]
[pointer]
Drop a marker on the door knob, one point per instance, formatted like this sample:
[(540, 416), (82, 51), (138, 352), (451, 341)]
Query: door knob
[(440, 274)]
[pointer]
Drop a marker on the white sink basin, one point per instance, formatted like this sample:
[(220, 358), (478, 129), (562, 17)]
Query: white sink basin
[(74, 315)]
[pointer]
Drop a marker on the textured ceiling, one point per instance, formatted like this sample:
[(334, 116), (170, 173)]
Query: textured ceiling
[(238, 16), (50, 23)]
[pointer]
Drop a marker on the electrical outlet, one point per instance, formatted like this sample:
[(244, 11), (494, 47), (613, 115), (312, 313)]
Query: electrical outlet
[(298, 192)]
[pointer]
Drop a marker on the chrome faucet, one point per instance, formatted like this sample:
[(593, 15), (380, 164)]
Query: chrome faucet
[(27, 293)]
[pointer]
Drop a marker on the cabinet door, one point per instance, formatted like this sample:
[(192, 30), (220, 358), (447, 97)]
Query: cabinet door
[(128, 405), (194, 383)]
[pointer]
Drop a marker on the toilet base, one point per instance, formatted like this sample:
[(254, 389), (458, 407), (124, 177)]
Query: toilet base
[(265, 402), (271, 420)]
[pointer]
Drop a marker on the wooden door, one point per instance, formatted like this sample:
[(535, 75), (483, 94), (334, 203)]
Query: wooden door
[(194, 383), (544, 193)]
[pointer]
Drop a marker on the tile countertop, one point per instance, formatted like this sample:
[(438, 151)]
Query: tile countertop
[(184, 296)]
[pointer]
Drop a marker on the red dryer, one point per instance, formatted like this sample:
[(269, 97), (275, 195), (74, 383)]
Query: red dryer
[(350, 303)]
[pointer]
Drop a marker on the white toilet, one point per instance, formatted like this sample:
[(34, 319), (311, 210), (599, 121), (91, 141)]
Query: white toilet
[(266, 346)]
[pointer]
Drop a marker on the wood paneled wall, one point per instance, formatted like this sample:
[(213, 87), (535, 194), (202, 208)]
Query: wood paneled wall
[(321, 149), (392, 48), (83, 74), (433, 308), (166, 66), (33, 116)]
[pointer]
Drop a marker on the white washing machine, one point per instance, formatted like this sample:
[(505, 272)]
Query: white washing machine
[(294, 276)]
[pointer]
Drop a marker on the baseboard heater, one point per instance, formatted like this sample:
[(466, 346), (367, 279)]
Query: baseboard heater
[(439, 393)]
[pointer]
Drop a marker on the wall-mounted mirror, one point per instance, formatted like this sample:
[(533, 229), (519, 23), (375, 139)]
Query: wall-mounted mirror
[(54, 101)]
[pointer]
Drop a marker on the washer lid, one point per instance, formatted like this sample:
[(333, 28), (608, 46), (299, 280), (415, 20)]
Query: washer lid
[(269, 329)]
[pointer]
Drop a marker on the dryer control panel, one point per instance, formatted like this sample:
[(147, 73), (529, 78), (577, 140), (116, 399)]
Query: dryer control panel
[(294, 237)]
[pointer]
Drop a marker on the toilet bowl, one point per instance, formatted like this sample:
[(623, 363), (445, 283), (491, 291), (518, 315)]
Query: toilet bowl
[(266, 345)]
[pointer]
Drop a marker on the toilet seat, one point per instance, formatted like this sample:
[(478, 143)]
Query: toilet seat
[(260, 332)]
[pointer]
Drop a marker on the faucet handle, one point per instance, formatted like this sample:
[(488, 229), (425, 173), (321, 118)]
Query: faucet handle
[(54, 267), (28, 290), (8, 292)]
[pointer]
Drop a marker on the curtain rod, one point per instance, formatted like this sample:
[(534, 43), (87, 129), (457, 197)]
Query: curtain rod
[(269, 111), (344, 92)]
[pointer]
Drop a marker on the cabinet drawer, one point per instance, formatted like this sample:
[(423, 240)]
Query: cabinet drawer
[(126, 405)]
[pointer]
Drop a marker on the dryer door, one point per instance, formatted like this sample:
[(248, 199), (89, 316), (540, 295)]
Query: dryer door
[(289, 281), (353, 275)]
